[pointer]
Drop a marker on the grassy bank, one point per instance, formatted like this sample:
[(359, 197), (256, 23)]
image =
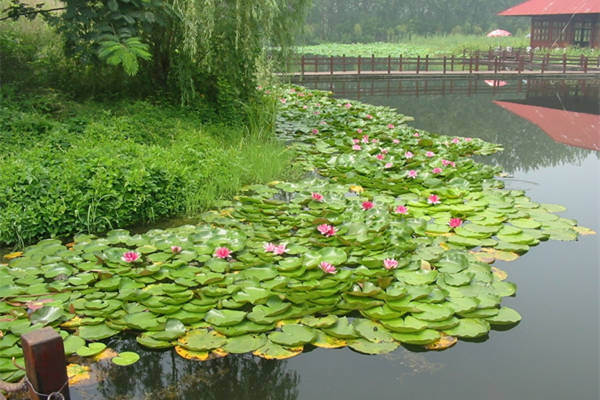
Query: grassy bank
[(432, 45), (71, 167)]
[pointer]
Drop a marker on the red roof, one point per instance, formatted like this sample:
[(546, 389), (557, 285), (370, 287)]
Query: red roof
[(549, 7), (569, 127)]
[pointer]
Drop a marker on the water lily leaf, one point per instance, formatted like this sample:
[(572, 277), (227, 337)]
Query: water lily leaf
[(201, 340), (96, 332), (244, 328), (525, 223), (224, 317), (442, 343), (463, 304), (46, 315), (481, 313), (192, 355), (315, 322), (423, 337), (125, 358), (381, 312), (244, 343), (371, 331), (72, 343), (174, 329), (91, 349), (333, 255), (582, 230), (505, 316), (293, 335), (254, 295), (369, 347), (434, 312), (142, 321), (470, 328), (342, 329), (151, 343), (553, 208), (78, 373), (407, 324), (274, 351)]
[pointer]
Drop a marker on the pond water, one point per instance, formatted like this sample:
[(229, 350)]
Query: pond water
[(552, 354)]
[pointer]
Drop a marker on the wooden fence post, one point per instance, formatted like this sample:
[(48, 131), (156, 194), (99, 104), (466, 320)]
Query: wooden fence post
[(444, 65), (330, 65), (358, 65), (564, 60), (418, 63), (452, 63), (344, 62), (426, 62), (302, 65), (372, 62), (45, 364), (470, 64), (585, 65), (400, 62), (389, 65), (477, 61), (316, 63), (495, 65)]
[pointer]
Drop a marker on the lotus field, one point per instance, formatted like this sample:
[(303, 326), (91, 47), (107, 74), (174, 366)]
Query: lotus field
[(389, 240)]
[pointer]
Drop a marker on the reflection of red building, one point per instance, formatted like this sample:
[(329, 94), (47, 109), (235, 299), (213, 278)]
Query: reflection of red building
[(560, 23), (569, 127)]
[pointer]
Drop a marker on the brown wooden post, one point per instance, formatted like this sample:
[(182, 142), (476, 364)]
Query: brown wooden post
[(400, 67), (302, 64), (521, 65), (470, 65), (426, 62), (564, 63), (344, 62), (444, 65), (581, 61), (477, 61), (330, 65), (452, 63), (372, 62), (418, 63), (45, 363), (316, 63), (543, 64), (389, 66), (585, 65), (359, 58), (495, 65)]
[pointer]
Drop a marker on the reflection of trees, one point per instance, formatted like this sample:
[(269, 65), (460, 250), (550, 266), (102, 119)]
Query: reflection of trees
[(526, 146), (165, 375)]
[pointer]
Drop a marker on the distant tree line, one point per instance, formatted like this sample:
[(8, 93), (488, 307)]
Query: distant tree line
[(363, 21)]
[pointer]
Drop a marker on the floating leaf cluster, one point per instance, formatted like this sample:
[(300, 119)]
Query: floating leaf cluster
[(362, 253)]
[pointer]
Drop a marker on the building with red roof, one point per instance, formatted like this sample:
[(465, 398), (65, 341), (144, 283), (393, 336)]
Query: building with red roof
[(561, 23)]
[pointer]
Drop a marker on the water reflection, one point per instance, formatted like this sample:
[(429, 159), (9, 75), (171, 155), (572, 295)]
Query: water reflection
[(165, 375), (467, 108)]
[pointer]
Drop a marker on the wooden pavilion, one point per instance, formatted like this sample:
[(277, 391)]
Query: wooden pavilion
[(561, 23)]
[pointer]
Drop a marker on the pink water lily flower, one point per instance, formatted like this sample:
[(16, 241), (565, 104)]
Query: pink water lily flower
[(412, 174), (409, 155), (368, 116), (388, 165), (269, 247), (317, 196), (433, 199), (367, 205), (391, 126), (304, 107), (301, 94), (429, 154), (380, 156), (395, 141), (327, 268), (401, 210), (455, 140), (326, 230), (385, 151), (356, 141), (448, 162), (455, 222), (359, 130), (222, 252), (282, 100), (356, 147), (347, 105), (176, 249), (315, 131), (131, 256), (365, 139), (279, 250), (37, 304), (468, 139), (390, 263), (317, 112), (374, 140), (437, 170), (416, 134), (323, 123)]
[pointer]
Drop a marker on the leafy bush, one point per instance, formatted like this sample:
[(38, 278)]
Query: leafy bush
[(90, 167)]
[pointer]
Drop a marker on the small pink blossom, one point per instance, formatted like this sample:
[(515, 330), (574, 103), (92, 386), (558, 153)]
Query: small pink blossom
[(222, 252), (367, 205), (347, 105), (390, 263), (356, 141), (391, 126), (359, 130), (455, 140), (176, 249), (385, 151), (317, 196), (374, 140), (368, 116), (447, 162), (315, 131), (301, 94), (323, 123), (468, 139), (395, 141), (455, 222), (292, 90), (380, 156), (317, 112), (318, 105), (401, 210), (409, 155), (305, 107), (279, 250), (412, 174), (356, 147), (429, 154), (327, 268), (131, 256), (433, 199), (388, 165), (365, 139), (269, 247), (416, 134), (437, 170), (282, 100), (327, 230)]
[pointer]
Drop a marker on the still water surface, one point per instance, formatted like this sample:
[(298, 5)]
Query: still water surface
[(552, 354)]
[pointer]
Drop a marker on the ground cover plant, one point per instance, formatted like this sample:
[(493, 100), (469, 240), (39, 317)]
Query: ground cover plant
[(70, 167), (388, 240)]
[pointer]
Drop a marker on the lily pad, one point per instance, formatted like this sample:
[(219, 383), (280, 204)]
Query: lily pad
[(125, 358)]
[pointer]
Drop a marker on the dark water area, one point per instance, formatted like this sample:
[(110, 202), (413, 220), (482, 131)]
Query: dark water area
[(552, 354)]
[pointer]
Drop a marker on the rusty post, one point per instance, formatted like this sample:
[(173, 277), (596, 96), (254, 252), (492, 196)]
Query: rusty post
[(45, 363), (477, 61)]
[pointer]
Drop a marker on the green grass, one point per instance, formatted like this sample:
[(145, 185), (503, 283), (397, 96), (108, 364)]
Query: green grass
[(433, 45), (70, 167)]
